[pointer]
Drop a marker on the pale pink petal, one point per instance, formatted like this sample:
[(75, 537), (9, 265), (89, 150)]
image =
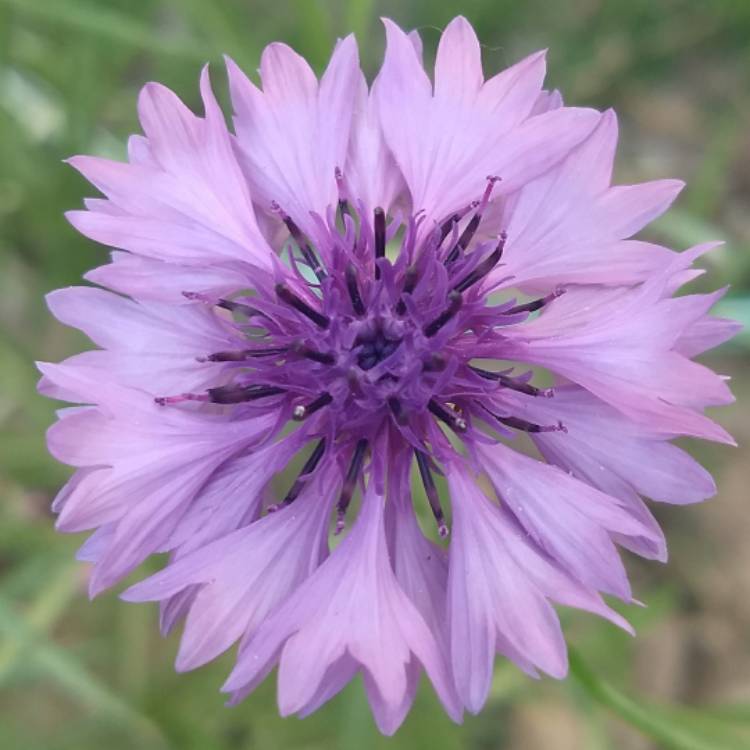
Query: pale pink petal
[(159, 347), (323, 621), (447, 145), (498, 591), (294, 133), (603, 447), (371, 174), (458, 64), (242, 576), (575, 529), (150, 279), (569, 226), (190, 203)]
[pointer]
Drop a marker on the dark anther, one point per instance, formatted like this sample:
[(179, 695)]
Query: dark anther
[(456, 423), (307, 252), (483, 268), (238, 307), (350, 483), (234, 394), (379, 226), (343, 203), (535, 304), (521, 424), (287, 295), (454, 305), (423, 462), (464, 239), (453, 254), (473, 225), (513, 383), (301, 411), (325, 358), (304, 475), (447, 227), (397, 410), (353, 287), (225, 394), (435, 363), (411, 276), (242, 354)]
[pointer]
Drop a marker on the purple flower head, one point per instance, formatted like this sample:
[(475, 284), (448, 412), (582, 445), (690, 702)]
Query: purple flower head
[(342, 300)]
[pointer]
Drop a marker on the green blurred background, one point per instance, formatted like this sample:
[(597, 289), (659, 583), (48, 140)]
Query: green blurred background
[(82, 675)]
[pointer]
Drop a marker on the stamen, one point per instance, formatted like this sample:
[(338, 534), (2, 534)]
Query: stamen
[(447, 227), (343, 203), (483, 268), (233, 394), (226, 304), (535, 304), (238, 307), (456, 423), (168, 400), (301, 411), (225, 394), (397, 410), (243, 354), (350, 484), (353, 287), (454, 305), (473, 225), (379, 226), (302, 242), (411, 276), (287, 295), (431, 491), (303, 477), (325, 358), (513, 383), (525, 426)]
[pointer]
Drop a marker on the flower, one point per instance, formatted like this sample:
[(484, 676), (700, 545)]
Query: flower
[(332, 288)]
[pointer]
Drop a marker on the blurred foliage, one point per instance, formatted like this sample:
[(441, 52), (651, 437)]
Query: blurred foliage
[(79, 675)]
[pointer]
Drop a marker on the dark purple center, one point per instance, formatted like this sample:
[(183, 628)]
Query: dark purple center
[(357, 345)]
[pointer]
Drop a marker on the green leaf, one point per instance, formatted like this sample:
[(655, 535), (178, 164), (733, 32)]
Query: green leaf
[(25, 642), (44, 611), (676, 728), (108, 23)]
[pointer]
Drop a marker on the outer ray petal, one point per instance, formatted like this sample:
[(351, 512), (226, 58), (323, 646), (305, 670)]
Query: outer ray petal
[(294, 133), (447, 144), (576, 529), (243, 576), (189, 202), (323, 623), (499, 586)]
